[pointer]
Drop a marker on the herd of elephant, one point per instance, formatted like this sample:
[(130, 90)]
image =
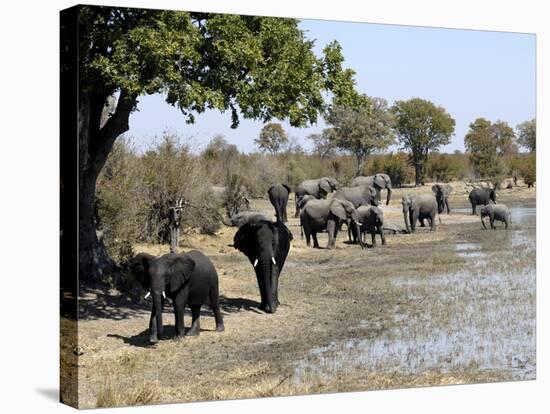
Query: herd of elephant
[(191, 278)]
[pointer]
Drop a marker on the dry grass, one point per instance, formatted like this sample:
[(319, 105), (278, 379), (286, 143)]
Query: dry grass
[(388, 295)]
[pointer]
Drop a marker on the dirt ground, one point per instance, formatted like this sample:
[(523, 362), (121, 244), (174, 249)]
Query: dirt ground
[(426, 309)]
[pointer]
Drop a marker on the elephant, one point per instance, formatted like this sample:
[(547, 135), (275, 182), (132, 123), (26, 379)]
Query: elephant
[(240, 219), (303, 200), (442, 193), (372, 221), (318, 188), (359, 196), (496, 212), (379, 181), (278, 195), (266, 244), (419, 207), (319, 215), (187, 279), (481, 196)]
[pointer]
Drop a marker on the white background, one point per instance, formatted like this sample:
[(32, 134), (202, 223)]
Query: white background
[(29, 159)]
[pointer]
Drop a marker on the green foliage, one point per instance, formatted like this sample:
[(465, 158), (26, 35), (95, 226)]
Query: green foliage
[(272, 138), (262, 65), (528, 169), (527, 135), (447, 167), (361, 131), (421, 127), (395, 165), (490, 146)]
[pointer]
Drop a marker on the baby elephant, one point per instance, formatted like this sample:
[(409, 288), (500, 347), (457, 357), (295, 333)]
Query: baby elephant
[(372, 221), (497, 212)]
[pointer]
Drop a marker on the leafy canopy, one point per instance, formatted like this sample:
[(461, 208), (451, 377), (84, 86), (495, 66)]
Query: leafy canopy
[(422, 126), (263, 66), (272, 138), (527, 134), (362, 130), (488, 145)]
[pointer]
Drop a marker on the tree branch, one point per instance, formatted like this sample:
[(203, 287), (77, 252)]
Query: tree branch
[(116, 125)]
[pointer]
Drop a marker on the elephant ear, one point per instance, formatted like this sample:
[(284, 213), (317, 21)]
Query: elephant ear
[(449, 188), (379, 181), (287, 188), (181, 271), (271, 188), (245, 240), (324, 185), (337, 208), (436, 188)]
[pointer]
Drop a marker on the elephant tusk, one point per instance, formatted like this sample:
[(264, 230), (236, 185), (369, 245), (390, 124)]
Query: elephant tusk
[(359, 224), (273, 260), (256, 262), (147, 295), (163, 294)]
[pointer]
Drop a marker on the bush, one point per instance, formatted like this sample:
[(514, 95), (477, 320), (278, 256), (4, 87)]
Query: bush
[(447, 167), (395, 165)]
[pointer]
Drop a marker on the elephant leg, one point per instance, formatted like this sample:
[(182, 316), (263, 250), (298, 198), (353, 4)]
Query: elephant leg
[(382, 236), (332, 230), (179, 310), (315, 242), (447, 206), (373, 237), (473, 209), (275, 285), (215, 304), (196, 324), (492, 220), (432, 222), (308, 238), (422, 224), (414, 219)]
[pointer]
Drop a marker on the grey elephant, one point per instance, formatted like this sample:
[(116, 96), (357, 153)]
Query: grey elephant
[(379, 181), (243, 217), (481, 197), (318, 188), (442, 192), (319, 215), (187, 279), (496, 212), (372, 222), (419, 207), (278, 195), (362, 195)]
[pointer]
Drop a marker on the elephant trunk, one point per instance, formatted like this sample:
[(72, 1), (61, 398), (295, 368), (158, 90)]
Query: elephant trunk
[(406, 217), (155, 333), (266, 266), (388, 197)]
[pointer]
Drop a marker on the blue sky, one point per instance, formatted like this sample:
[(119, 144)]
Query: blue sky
[(470, 73)]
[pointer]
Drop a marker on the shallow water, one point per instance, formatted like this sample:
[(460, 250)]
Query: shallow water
[(478, 319)]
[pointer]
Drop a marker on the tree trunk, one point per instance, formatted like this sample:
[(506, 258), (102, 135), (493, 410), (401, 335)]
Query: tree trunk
[(95, 144), (417, 175)]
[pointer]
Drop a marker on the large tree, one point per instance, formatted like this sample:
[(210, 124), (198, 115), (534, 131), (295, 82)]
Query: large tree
[(421, 127), (527, 134), (362, 129), (489, 145), (255, 67), (272, 138), (323, 143)]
